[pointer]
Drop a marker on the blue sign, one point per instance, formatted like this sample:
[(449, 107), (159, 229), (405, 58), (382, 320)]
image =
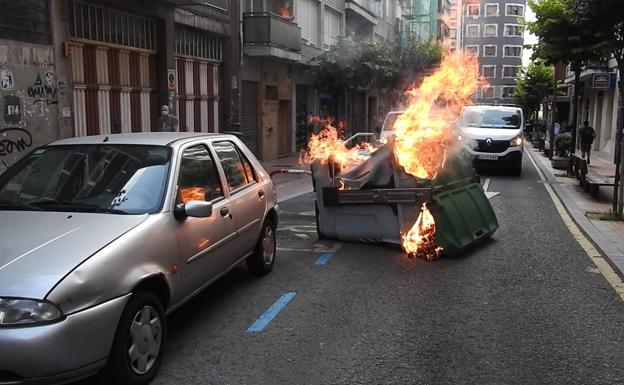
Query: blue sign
[(603, 80)]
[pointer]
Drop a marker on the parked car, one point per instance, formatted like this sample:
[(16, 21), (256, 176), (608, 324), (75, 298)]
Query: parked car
[(493, 135), (387, 129), (103, 236)]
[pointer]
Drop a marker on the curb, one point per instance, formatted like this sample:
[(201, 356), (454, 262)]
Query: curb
[(597, 236)]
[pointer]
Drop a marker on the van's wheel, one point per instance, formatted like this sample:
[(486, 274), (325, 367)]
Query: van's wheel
[(263, 257), (137, 348)]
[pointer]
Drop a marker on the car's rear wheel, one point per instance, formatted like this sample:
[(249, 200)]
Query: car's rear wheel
[(137, 349), (263, 257)]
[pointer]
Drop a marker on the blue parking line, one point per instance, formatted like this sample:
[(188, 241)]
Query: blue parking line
[(323, 259), (271, 313)]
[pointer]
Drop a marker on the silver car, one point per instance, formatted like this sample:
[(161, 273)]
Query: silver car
[(102, 236)]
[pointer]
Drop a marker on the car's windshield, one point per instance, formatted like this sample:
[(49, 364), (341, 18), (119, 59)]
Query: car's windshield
[(389, 123), (490, 118), (120, 179)]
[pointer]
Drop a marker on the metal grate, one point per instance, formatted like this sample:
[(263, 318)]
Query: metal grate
[(271, 93), (91, 22), (25, 20), (198, 44)]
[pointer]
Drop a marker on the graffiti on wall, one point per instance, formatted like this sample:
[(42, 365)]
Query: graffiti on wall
[(12, 109), (44, 90), (13, 140)]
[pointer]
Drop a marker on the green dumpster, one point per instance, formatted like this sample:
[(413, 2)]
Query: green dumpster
[(463, 217)]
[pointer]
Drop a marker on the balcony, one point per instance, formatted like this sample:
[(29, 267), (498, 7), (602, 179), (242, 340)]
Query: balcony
[(368, 9), (269, 35)]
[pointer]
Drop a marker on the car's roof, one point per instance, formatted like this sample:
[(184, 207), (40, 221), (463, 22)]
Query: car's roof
[(491, 107), (149, 138)]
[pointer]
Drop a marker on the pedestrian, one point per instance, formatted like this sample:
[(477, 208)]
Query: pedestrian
[(166, 122), (586, 135), (557, 128)]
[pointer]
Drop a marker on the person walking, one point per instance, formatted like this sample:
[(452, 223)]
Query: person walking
[(586, 135), (166, 122)]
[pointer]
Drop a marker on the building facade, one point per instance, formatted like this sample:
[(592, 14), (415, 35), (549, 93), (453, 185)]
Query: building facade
[(492, 31), (424, 20), (98, 67)]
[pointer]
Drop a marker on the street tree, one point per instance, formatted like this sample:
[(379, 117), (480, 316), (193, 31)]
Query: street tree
[(603, 22), (534, 84), (560, 40), (413, 60)]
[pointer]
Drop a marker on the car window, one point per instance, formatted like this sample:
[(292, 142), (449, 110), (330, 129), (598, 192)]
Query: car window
[(128, 179), (198, 179), (238, 170)]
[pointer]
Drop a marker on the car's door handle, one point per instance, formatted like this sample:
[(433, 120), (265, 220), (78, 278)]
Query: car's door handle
[(225, 212), (261, 193)]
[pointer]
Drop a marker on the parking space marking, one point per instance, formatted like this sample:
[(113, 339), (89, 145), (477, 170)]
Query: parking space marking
[(488, 194), (323, 259), (271, 313), (601, 264)]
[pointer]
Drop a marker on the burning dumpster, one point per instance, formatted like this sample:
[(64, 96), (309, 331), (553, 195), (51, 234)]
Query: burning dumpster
[(417, 190)]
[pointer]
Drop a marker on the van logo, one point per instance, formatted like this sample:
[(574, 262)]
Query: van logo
[(488, 141)]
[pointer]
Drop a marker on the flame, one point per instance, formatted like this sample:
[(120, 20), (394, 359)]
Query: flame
[(425, 130), (327, 146), (420, 239)]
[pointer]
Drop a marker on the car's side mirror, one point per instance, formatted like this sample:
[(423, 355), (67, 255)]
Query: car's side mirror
[(195, 209)]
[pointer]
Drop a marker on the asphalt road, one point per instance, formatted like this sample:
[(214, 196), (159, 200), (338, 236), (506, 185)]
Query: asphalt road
[(528, 307)]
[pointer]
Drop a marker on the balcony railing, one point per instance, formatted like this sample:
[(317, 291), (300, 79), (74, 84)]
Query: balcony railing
[(268, 29), (372, 6)]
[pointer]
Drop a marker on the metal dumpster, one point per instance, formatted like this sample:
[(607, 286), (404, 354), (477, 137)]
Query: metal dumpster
[(377, 201)]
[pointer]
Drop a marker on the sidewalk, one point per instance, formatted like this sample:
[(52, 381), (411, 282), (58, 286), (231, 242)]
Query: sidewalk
[(608, 236), (289, 186)]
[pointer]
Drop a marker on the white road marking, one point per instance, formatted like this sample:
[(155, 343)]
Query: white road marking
[(488, 194)]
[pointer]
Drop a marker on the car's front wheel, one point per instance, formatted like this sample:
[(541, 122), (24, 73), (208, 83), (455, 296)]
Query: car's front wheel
[(263, 257), (137, 349)]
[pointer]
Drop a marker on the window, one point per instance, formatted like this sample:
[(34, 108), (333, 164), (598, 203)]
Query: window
[(472, 50), (514, 10), (197, 43), (453, 33), (307, 18), (511, 71), (25, 21), (473, 10), (489, 50), (237, 173), (271, 93), (490, 30), (512, 50), (513, 30), (487, 92), (332, 27), (92, 22), (472, 30), (491, 9), (489, 71), (508, 91), (198, 179)]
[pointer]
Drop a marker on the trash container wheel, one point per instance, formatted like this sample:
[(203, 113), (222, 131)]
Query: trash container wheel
[(320, 235)]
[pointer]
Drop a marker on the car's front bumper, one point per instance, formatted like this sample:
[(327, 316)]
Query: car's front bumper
[(511, 157), (73, 348)]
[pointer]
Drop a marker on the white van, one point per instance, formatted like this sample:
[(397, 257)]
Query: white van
[(493, 135)]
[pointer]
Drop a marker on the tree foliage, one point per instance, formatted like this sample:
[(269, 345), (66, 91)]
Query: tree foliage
[(364, 64), (414, 60), (533, 86), (350, 65), (560, 40)]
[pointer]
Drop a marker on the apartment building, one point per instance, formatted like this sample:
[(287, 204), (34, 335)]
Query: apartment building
[(426, 20), (492, 31)]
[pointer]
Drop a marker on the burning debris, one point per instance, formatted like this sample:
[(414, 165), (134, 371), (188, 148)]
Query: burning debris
[(363, 193)]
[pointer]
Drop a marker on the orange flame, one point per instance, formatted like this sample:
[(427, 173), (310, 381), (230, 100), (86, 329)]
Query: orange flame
[(420, 239), (425, 130), (327, 145)]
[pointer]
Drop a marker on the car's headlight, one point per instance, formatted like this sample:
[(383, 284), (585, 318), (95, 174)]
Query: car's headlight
[(20, 311), (516, 141)]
